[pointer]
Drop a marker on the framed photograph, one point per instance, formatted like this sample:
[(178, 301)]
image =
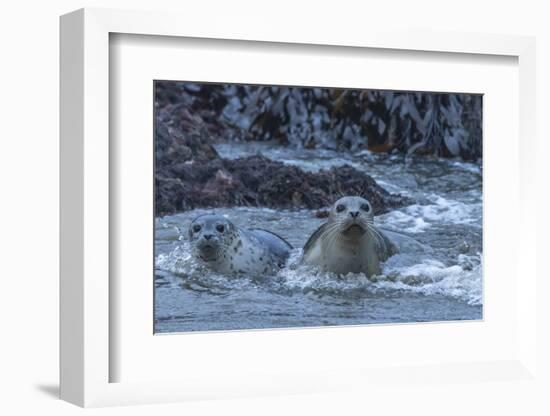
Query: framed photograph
[(288, 206), (282, 213)]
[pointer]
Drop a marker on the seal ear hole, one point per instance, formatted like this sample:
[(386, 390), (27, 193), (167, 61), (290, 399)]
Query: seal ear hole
[(220, 228), (340, 208), (196, 228), (365, 207)]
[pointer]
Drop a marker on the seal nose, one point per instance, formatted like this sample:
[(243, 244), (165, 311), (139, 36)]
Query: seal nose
[(354, 214), (207, 236)]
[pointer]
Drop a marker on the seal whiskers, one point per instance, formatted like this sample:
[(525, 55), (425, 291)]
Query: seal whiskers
[(376, 234), (348, 242)]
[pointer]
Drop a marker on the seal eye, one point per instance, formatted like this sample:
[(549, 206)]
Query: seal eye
[(365, 207), (196, 228), (340, 208), (220, 228)]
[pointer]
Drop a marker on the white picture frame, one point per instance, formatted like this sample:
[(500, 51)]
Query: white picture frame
[(86, 304)]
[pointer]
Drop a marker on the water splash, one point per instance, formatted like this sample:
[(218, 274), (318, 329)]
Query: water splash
[(401, 274)]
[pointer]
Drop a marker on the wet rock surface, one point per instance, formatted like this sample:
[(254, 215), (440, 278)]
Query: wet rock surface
[(258, 181), (190, 174)]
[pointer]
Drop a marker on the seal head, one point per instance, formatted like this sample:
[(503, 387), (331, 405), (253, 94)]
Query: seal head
[(349, 242), (211, 235)]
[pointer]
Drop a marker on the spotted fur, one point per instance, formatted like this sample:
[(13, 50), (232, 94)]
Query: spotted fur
[(228, 249)]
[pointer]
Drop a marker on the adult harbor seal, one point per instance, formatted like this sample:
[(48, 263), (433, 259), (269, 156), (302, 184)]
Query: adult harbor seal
[(349, 242), (228, 249)]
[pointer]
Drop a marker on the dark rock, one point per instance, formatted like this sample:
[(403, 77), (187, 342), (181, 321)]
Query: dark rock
[(258, 181), (322, 213)]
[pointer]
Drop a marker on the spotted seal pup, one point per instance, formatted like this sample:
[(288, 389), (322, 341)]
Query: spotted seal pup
[(228, 249), (349, 242)]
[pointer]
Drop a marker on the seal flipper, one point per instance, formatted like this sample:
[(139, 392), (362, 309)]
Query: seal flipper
[(405, 242), (313, 238), (385, 247)]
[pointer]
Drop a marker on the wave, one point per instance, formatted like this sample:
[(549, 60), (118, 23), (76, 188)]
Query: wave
[(417, 218), (401, 275)]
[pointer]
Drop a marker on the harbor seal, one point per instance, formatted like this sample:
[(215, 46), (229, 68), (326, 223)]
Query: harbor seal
[(349, 242), (228, 249)]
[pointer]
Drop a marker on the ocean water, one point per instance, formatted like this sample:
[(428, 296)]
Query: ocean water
[(437, 275)]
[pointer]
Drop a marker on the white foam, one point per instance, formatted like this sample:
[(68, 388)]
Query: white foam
[(403, 222), (417, 218), (178, 261), (429, 277), (467, 166), (432, 277), (414, 273), (445, 210)]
